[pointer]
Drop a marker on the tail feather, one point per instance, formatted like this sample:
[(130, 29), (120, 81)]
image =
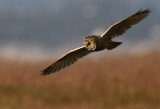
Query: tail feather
[(112, 45)]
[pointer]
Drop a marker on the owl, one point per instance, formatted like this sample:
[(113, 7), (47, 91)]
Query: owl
[(97, 43)]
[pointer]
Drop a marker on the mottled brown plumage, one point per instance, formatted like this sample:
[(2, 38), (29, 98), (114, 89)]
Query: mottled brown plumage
[(97, 43)]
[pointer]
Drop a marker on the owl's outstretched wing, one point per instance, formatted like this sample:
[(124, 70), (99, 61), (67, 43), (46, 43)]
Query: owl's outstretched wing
[(122, 26), (68, 59)]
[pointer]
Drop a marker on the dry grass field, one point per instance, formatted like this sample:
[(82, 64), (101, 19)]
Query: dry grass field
[(125, 81)]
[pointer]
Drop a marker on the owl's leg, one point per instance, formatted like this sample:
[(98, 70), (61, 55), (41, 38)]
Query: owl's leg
[(111, 45)]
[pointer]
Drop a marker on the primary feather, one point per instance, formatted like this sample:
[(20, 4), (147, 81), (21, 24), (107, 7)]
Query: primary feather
[(122, 26), (68, 59)]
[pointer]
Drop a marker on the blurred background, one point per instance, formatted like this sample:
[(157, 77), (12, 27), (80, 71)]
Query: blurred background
[(33, 34)]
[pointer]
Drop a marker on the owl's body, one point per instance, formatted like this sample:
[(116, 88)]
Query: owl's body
[(97, 43)]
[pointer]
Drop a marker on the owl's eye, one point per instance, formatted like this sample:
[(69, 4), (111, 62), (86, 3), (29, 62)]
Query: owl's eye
[(88, 43)]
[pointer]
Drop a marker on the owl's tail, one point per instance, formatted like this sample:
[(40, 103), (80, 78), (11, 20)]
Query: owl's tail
[(111, 45)]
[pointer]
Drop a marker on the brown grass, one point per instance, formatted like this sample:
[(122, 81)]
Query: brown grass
[(123, 81)]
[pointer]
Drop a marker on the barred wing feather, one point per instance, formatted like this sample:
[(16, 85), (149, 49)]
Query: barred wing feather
[(122, 26), (68, 59)]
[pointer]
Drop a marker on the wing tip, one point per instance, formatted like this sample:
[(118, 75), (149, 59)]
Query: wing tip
[(47, 72), (144, 11), (43, 73), (147, 10)]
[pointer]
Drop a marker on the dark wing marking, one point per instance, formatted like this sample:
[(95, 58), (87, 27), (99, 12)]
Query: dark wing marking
[(68, 59), (122, 26)]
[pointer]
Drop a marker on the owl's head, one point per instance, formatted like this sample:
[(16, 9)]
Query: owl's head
[(90, 43)]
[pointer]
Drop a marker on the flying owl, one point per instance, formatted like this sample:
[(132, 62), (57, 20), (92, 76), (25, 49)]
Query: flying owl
[(97, 43)]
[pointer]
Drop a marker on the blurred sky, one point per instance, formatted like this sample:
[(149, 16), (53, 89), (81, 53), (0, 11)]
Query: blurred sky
[(46, 28)]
